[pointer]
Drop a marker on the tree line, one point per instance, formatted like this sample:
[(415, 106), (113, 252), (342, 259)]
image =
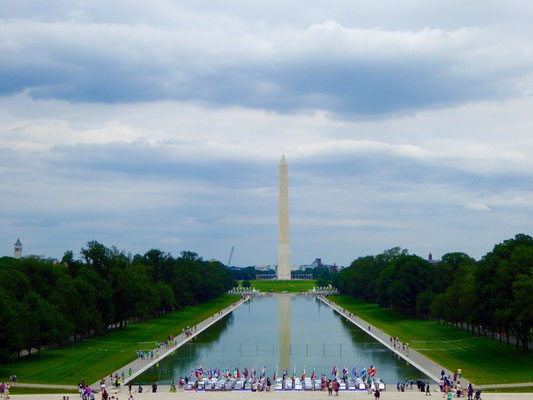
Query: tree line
[(322, 274), (494, 294), (46, 303)]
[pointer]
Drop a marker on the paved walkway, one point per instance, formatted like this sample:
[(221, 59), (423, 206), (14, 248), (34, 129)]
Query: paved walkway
[(139, 365), (413, 357), (163, 394)]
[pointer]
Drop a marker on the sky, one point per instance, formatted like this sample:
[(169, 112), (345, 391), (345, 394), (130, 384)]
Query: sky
[(161, 125)]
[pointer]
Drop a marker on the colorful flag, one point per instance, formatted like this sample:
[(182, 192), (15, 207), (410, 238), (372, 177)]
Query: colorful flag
[(334, 370), (285, 372), (275, 374), (303, 374), (313, 374), (354, 371)]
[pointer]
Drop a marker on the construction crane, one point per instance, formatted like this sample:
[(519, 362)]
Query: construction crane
[(230, 256)]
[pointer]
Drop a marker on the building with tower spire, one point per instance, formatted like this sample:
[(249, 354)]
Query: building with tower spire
[(18, 249), (431, 260)]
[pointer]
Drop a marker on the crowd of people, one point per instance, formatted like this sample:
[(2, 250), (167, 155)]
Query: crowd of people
[(167, 344), (188, 332), (87, 393), (4, 390), (396, 344), (449, 384), (5, 387)]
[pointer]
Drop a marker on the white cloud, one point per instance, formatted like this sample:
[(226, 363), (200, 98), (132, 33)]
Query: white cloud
[(477, 207)]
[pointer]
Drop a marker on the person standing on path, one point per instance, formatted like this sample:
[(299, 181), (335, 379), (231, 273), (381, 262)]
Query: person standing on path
[(470, 392), (129, 372), (428, 391)]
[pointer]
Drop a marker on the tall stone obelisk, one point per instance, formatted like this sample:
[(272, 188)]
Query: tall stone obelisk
[(284, 246)]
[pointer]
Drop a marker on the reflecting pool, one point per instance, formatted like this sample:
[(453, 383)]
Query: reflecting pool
[(297, 332)]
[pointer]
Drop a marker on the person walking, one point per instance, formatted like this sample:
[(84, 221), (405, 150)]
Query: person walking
[(330, 387), (428, 391)]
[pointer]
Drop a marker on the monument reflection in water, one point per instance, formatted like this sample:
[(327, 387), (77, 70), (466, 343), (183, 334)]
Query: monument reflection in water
[(284, 311), (296, 332)]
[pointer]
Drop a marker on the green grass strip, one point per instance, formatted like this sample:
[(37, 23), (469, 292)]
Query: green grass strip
[(482, 360), (31, 390), (96, 357), (276, 286)]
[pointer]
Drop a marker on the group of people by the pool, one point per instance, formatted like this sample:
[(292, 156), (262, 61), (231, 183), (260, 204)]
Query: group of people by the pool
[(208, 379), (365, 380)]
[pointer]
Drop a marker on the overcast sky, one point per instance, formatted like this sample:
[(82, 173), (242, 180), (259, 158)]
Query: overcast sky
[(161, 125)]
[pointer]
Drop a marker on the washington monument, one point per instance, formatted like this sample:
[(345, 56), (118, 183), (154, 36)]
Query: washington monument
[(284, 246)]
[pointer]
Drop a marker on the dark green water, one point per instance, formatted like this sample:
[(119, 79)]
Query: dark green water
[(294, 331)]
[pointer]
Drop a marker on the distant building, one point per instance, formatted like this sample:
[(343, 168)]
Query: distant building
[(18, 249), (265, 267), (431, 260), (317, 263)]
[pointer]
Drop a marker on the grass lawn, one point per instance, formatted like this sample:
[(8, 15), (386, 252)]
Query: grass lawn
[(94, 358), (482, 361), (30, 390), (293, 286)]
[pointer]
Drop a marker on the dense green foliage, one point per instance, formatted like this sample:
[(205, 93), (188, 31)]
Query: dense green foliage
[(250, 273), (494, 294), (482, 360), (98, 356), (43, 303)]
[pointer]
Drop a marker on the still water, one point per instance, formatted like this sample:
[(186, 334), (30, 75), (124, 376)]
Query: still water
[(297, 332)]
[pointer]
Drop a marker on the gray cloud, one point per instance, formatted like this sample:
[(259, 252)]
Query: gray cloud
[(225, 59)]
